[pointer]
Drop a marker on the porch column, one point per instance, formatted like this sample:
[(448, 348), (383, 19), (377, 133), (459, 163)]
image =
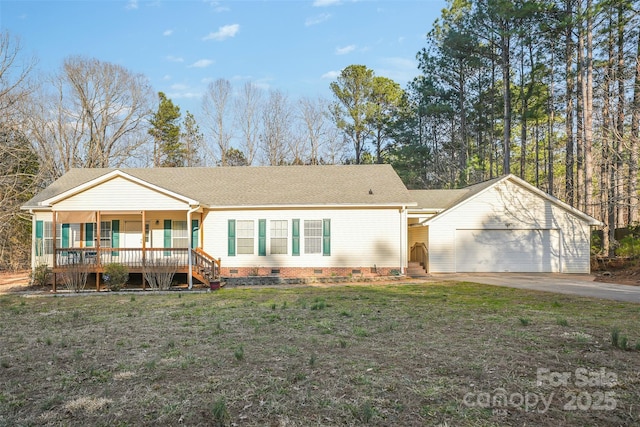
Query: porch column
[(190, 239), (53, 244), (144, 245), (201, 231), (98, 254)]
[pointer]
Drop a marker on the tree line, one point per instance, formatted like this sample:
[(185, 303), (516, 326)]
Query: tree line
[(547, 90)]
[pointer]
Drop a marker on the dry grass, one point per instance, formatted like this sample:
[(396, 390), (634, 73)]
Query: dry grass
[(343, 355)]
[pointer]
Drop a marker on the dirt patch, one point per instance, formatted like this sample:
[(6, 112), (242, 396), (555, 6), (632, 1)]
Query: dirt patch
[(622, 271), (16, 281)]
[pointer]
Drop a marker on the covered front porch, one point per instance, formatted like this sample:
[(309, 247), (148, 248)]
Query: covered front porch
[(145, 242), (117, 218)]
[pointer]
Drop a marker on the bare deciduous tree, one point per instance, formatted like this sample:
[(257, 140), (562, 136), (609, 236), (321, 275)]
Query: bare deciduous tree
[(19, 172), (247, 107), (90, 114), (14, 74), (314, 124), (276, 137), (216, 104)]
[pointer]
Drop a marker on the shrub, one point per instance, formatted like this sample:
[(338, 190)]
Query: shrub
[(40, 275), (75, 275), (115, 275), (159, 272), (628, 246)]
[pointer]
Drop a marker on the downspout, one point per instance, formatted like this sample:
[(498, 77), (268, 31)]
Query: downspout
[(189, 255), (403, 240), (34, 244)]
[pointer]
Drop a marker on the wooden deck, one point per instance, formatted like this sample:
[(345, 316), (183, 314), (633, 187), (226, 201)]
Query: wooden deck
[(204, 267)]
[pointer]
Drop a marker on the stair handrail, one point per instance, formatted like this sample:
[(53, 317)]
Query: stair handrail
[(205, 262), (419, 253)]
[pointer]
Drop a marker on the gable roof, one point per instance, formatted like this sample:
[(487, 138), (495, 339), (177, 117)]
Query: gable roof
[(252, 186), (444, 200)]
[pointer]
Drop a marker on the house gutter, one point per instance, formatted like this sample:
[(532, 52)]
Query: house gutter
[(189, 254)]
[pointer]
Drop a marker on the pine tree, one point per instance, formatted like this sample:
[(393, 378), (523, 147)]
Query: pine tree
[(168, 149)]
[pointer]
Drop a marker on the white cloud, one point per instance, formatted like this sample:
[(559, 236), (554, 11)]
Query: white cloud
[(241, 77), (132, 5), (223, 32), (323, 3), (201, 63), (167, 32), (184, 95), (166, 77), (179, 86), (215, 5), (318, 19), (330, 75), (346, 49), (172, 58)]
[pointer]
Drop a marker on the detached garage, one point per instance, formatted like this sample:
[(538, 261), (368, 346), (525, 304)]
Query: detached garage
[(502, 225)]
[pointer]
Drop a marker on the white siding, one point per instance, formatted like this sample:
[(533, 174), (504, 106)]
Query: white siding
[(509, 206), (120, 194), (359, 238), (531, 251)]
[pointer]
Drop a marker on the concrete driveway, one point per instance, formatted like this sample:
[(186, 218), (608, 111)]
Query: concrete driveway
[(573, 284)]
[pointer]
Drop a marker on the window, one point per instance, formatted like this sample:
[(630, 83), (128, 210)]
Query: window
[(105, 234), (245, 236), (180, 234), (278, 237), (312, 236), (47, 237)]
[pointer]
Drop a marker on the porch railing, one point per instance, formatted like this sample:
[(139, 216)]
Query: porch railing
[(203, 264), (206, 265), (131, 257), (420, 254)]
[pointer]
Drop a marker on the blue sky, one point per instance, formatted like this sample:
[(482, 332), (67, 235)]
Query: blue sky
[(294, 46)]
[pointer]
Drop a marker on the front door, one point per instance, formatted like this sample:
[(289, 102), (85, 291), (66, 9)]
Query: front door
[(132, 234)]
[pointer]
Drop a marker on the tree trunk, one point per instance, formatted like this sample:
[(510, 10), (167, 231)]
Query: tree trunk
[(523, 114), (632, 188), (551, 145), (506, 97), (569, 150), (619, 137), (588, 111)]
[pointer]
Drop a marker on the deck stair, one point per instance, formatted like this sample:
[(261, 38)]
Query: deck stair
[(206, 268), (416, 270)]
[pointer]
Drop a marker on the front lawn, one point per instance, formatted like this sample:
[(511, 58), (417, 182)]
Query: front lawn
[(454, 354)]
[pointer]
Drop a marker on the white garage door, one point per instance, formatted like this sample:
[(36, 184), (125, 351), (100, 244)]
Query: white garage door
[(530, 251)]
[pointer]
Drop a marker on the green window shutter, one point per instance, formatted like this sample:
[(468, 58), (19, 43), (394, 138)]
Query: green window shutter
[(65, 236), (232, 237), (167, 236), (262, 237), (195, 228), (88, 234), (115, 236), (295, 237), (326, 237), (39, 238)]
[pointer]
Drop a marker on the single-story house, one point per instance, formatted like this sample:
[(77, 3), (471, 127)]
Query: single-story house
[(323, 220)]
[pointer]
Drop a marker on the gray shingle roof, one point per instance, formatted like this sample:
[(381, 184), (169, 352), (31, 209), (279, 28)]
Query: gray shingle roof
[(444, 199), (260, 186)]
